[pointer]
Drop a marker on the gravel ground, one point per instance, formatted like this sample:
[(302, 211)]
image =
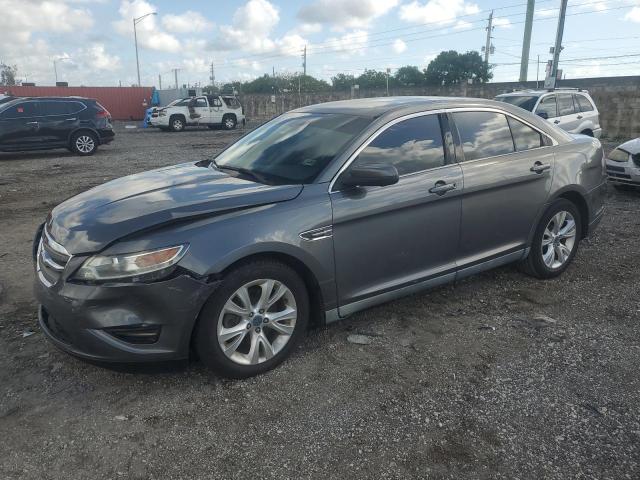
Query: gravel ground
[(497, 376)]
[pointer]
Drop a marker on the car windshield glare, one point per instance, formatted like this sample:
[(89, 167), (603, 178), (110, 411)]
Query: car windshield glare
[(523, 101), (292, 148)]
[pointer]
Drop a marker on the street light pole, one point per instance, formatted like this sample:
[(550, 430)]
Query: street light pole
[(136, 21)]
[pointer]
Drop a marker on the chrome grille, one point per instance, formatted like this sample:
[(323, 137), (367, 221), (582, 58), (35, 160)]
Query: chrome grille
[(52, 259)]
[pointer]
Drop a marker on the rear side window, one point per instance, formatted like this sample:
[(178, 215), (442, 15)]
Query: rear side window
[(54, 108), (549, 106), (483, 134), (231, 102), (524, 137), (565, 104), (411, 146), (583, 103)]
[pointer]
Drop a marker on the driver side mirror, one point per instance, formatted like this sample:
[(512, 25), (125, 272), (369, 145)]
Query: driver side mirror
[(373, 175), (544, 115)]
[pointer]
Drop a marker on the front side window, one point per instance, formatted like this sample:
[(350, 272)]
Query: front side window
[(524, 137), (565, 104), (21, 110), (411, 146), (548, 106), (583, 103), (217, 102), (483, 134), (200, 102), (292, 148)]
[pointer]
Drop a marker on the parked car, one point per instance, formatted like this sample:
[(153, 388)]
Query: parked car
[(315, 215), (43, 123), (623, 164), (210, 110), (572, 110)]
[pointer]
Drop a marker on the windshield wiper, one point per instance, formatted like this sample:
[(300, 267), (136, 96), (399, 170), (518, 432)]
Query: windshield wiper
[(244, 171)]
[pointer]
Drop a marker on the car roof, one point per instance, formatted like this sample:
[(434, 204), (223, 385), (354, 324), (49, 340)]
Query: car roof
[(539, 92), (378, 106)]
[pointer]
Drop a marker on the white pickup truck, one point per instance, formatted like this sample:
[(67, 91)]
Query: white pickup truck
[(209, 110)]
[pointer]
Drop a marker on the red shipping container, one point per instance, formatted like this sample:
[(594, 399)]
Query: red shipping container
[(124, 103)]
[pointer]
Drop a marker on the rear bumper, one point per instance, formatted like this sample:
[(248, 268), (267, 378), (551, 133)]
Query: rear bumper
[(597, 132), (106, 136), (76, 318)]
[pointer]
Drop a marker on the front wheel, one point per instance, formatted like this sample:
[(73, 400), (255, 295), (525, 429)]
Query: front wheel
[(555, 242), (176, 124), (84, 143), (253, 320)]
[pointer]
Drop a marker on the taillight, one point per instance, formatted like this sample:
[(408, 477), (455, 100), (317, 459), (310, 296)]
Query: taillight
[(103, 114)]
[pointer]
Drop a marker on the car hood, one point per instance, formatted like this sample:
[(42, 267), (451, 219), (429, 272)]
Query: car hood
[(92, 220), (632, 146)]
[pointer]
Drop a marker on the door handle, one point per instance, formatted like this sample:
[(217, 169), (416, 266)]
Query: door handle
[(31, 123), (556, 121), (440, 188), (579, 117), (70, 119), (539, 167)]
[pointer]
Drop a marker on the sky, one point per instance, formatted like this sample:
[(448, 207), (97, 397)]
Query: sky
[(92, 41)]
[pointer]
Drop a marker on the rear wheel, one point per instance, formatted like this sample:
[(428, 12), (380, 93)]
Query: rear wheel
[(555, 242), (253, 320), (229, 122), (84, 143)]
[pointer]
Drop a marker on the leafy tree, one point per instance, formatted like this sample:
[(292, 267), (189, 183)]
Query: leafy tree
[(451, 67), (409, 75), (371, 79), (8, 75), (343, 81)]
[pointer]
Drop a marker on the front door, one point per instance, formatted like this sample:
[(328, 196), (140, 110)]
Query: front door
[(400, 235), (507, 176), (19, 126), (199, 111)]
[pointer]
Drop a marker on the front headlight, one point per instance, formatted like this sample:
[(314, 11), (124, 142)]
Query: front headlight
[(131, 266)]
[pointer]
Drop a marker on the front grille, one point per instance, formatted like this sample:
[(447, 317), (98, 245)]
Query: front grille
[(52, 259), (141, 334), (619, 175), (611, 168)]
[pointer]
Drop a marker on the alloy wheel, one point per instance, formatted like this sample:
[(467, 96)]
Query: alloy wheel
[(558, 239), (229, 123), (85, 144), (257, 321), (177, 124)]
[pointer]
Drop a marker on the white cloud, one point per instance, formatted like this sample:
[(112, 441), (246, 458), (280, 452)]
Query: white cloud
[(150, 35), (436, 11), (251, 28), (502, 22), (188, 22), (349, 44), (20, 19), (96, 57), (399, 46), (345, 13), (633, 15), (545, 12), (462, 25)]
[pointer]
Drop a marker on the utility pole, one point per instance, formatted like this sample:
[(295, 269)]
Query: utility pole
[(135, 37), (213, 76), (160, 82), (526, 41), (175, 74), (550, 81), (537, 71), (487, 48), (304, 61)]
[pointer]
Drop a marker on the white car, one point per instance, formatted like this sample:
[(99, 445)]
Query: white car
[(623, 164), (209, 110), (571, 109)]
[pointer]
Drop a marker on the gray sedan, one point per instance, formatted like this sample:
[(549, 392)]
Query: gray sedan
[(317, 214)]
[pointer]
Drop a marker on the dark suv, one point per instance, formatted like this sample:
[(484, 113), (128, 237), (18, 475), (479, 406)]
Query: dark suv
[(79, 124)]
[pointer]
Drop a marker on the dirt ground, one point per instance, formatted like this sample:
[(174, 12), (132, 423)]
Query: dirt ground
[(498, 376)]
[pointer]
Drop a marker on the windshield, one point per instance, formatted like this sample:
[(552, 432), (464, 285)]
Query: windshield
[(523, 101), (292, 148), (179, 102)]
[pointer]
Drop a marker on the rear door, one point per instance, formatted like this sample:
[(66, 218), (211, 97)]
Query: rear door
[(506, 182), (567, 113), (398, 235), (58, 119), (588, 115), (19, 126), (216, 110)]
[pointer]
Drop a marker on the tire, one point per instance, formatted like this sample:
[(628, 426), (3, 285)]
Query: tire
[(176, 123), (252, 332), (229, 122), (562, 250), (84, 143)]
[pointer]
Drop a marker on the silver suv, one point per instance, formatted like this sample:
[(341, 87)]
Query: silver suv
[(571, 109)]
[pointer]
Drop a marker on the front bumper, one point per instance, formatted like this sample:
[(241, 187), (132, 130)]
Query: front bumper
[(76, 317), (623, 173)]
